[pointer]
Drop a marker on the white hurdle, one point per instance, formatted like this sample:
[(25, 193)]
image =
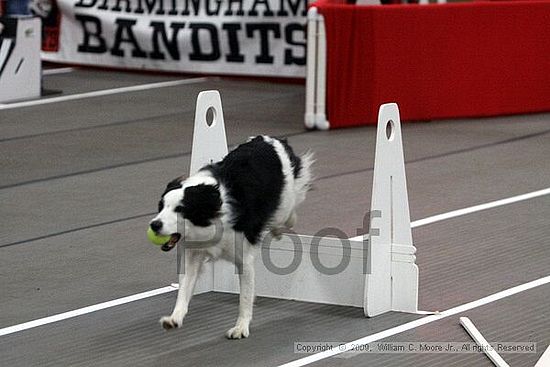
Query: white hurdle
[(316, 60), (377, 273), (392, 282), (20, 65)]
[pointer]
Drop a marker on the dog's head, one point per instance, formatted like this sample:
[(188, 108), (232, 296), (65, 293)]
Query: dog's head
[(195, 202)]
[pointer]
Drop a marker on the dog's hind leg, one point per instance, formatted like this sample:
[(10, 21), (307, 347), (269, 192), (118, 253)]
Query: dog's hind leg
[(291, 221), (193, 260), (246, 299), (277, 232)]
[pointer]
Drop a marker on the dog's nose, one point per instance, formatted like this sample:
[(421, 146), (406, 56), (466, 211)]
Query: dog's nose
[(156, 225)]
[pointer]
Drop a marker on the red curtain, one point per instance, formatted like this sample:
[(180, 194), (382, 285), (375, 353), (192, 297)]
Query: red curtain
[(437, 61)]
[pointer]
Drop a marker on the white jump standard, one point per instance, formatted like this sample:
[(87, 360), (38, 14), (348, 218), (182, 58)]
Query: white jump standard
[(20, 65), (377, 273)]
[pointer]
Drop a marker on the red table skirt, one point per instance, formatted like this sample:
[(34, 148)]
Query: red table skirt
[(436, 61)]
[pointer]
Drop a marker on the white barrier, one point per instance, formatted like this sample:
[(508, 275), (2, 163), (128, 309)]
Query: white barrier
[(315, 116), (393, 279), (20, 65), (378, 273)]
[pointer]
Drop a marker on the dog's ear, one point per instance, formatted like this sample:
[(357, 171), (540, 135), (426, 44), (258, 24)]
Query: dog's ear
[(201, 204), (176, 183)]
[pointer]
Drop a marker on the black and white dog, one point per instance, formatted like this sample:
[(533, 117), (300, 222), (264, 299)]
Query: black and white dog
[(254, 189)]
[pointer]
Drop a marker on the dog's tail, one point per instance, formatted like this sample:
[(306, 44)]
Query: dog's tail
[(304, 179)]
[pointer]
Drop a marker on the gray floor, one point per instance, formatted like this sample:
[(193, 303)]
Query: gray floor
[(81, 179)]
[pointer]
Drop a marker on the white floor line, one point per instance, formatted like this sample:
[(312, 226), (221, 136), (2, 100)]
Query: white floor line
[(417, 323), (478, 208), (57, 71), (85, 310), (100, 93), (120, 301), (473, 209)]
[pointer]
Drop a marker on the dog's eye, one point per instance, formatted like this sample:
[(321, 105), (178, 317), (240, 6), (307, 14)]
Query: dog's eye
[(179, 209), (161, 205)]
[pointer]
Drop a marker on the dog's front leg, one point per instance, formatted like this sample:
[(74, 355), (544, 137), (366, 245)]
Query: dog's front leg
[(193, 260), (246, 300)]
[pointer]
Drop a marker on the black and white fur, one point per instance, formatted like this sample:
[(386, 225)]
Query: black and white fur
[(254, 189)]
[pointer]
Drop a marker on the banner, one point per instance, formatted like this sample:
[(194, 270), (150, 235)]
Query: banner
[(243, 37)]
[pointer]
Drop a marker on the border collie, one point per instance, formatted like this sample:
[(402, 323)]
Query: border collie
[(223, 211)]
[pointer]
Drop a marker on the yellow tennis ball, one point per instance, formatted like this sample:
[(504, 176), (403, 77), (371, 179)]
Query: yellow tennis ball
[(156, 239)]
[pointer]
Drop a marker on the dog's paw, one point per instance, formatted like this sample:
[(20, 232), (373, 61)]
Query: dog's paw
[(169, 322), (237, 332), (277, 233)]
